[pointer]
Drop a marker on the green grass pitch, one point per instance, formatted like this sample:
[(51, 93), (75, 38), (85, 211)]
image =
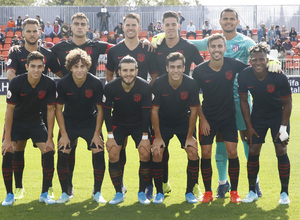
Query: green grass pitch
[(174, 206)]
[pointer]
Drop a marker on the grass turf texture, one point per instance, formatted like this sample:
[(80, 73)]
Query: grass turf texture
[(174, 206)]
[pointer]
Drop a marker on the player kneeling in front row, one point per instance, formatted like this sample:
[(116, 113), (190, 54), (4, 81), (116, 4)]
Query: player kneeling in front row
[(27, 92), (272, 106), (130, 98), (174, 111), (79, 93)]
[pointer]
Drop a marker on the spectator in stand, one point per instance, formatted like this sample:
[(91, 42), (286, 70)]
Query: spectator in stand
[(42, 34), (59, 21), (118, 30), (277, 32), (278, 46), (22, 41), (65, 29), (288, 46), (206, 29), (247, 31), (2, 65), (120, 38), (181, 20), (293, 34), (159, 28), (64, 38), (15, 40), (42, 25), (48, 30), (26, 16), (191, 30), (261, 32), (151, 30), (298, 49), (264, 42), (2, 38), (284, 33), (56, 30), (271, 35), (103, 16), (96, 35), (239, 28), (89, 34), (10, 25), (19, 24), (111, 39)]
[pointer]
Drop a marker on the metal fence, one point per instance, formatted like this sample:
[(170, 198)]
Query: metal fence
[(252, 15)]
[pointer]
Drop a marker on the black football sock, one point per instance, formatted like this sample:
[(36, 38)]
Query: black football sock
[(206, 171), (99, 169), (63, 170), (7, 171), (48, 170), (234, 172), (18, 167)]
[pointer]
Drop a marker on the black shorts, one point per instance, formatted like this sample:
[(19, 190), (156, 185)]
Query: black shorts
[(167, 134), (121, 132), (227, 129), (261, 126), (84, 129), (37, 131)]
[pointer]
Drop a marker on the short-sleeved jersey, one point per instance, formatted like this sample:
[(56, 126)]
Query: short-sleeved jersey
[(147, 62), (189, 51), (18, 58), (127, 106), (217, 87), (79, 102), (174, 104), (266, 94), (236, 48), (28, 100), (93, 48)]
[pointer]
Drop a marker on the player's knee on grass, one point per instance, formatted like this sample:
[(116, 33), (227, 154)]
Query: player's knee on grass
[(206, 151), (192, 153), (281, 149), (114, 154)]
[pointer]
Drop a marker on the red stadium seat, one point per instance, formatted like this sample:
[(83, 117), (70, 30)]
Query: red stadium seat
[(8, 40), (6, 47), (199, 32), (182, 33), (104, 39), (143, 34), (254, 31), (5, 54), (56, 40), (3, 28), (48, 39), (18, 33), (9, 34)]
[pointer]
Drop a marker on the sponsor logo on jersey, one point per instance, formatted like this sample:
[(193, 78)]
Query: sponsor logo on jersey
[(159, 53), (120, 57), (117, 98), (165, 95), (41, 94), (208, 80), (250, 87), (23, 60), (270, 88), (89, 50), (70, 93), (184, 95), (229, 75), (235, 48), (137, 97), (23, 94), (88, 93), (141, 57)]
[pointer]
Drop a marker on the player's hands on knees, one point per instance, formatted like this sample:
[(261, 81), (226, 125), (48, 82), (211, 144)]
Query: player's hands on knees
[(191, 142), (145, 144), (7, 146), (249, 134), (99, 143), (63, 143), (49, 146), (158, 143), (110, 143), (205, 127)]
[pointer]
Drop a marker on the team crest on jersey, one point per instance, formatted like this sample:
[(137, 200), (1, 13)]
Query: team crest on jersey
[(235, 47), (229, 75), (270, 88), (141, 57), (41, 94), (184, 95), (89, 50), (137, 97), (180, 51), (88, 93)]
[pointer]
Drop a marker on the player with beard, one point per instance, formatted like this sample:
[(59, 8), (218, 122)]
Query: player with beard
[(16, 65), (130, 98)]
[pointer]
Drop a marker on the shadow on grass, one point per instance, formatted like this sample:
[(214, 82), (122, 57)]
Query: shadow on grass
[(218, 209)]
